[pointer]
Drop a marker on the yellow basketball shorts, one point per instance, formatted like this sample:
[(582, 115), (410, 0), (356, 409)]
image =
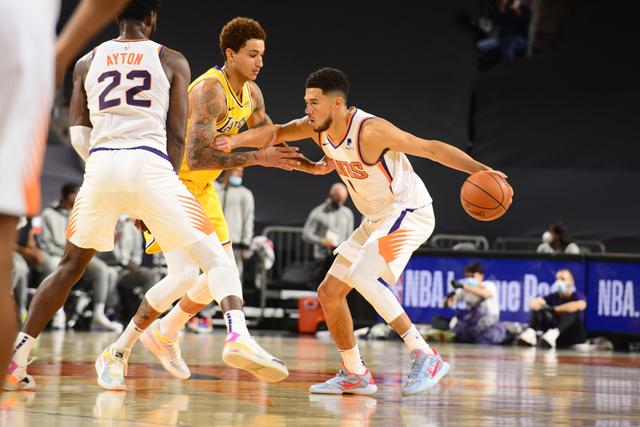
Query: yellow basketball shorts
[(212, 208)]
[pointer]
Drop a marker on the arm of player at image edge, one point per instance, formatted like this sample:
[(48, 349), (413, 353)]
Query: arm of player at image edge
[(79, 123), (89, 17), (379, 135)]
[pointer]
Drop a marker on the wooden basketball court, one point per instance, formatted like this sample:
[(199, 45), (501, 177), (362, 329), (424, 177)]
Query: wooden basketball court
[(487, 386)]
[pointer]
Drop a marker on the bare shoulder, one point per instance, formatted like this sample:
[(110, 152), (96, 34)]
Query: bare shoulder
[(82, 65), (207, 99), (209, 90), (174, 60), (376, 128)]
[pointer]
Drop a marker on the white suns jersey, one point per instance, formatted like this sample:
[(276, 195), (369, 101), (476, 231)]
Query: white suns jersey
[(380, 188), (128, 95)]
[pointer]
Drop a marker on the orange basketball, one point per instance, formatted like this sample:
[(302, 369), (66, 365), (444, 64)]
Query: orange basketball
[(486, 196)]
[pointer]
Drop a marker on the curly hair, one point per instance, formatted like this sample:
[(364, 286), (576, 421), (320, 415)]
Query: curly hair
[(329, 80), (237, 32)]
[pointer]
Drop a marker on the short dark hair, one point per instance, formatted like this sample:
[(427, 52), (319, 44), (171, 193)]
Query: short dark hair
[(329, 80), (137, 10), (237, 32), (474, 267), (69, 188)]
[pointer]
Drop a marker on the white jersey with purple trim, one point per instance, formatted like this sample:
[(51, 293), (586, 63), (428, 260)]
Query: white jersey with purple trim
[(376, 189), (128, 95)]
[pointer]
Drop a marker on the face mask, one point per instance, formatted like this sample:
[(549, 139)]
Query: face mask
[(559, 286), (235, 180), (470, 281), (547, 237)]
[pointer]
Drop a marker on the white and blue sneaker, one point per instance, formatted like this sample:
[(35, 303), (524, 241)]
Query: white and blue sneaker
[(346, 382), (111, 368), (426, 371)]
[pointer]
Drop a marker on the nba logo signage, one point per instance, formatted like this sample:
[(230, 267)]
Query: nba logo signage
[(614, 297), (425, 283)]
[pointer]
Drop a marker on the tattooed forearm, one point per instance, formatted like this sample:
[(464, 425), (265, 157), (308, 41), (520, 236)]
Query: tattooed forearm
[(145, 315), (264, 121), (201, 155)]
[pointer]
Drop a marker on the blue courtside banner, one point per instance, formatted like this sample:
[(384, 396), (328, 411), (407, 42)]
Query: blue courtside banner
[(613, 290), (425, 283)]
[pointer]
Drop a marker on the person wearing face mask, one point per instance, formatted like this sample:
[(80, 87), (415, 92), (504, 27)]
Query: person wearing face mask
[(481, 322), (556, 240), (329, 224), (239, 209), (557, 316)]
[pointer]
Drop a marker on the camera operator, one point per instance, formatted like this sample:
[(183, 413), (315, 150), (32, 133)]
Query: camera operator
[(480, 323)]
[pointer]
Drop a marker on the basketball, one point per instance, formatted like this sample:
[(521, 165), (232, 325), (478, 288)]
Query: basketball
[(486, 196)]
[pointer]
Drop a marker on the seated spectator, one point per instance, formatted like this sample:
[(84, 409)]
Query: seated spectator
[(53, 240), (481, 322), (557, 316), (510, 25), (20, 284), (328, 225), (556, 240), (130, 279), (239, 210)]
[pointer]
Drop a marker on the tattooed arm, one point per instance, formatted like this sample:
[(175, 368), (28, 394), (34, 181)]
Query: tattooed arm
[(259, 115), (207, 103)]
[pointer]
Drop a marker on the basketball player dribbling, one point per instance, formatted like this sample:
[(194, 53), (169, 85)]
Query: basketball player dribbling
[(221, 102), (369, 154), (26, 93), (132, 95)]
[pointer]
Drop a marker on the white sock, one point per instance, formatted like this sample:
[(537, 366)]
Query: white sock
[(98, 309), (414, 340), (22, 348), (129, 336), (174, 321), (236, 323), (352, 361)]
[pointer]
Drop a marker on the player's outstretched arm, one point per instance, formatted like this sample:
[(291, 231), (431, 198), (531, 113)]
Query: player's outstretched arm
[(321, 167), (379, 135), (259, 116), (179, 74), (79, 123), (207, 102), (89, 17)]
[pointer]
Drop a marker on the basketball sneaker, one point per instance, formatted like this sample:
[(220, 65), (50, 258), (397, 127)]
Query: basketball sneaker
[(200, 325), (426, 370), (346, 382), (166, 349), (111, 368), (527, 337), (244, 353), (17, 378)]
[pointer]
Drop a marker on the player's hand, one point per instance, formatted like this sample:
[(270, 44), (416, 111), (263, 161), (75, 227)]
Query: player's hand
[(141, 226), (223, 143), (324, 167), (280, 157), (499, 173)]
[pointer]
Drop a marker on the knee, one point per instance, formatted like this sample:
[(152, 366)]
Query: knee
[(187, 276), (330, 293)]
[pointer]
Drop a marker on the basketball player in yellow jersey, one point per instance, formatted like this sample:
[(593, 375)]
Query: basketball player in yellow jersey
[(221, 102)]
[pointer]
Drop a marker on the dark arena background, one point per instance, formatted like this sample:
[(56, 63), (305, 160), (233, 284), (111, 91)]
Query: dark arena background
[(561, 119)]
